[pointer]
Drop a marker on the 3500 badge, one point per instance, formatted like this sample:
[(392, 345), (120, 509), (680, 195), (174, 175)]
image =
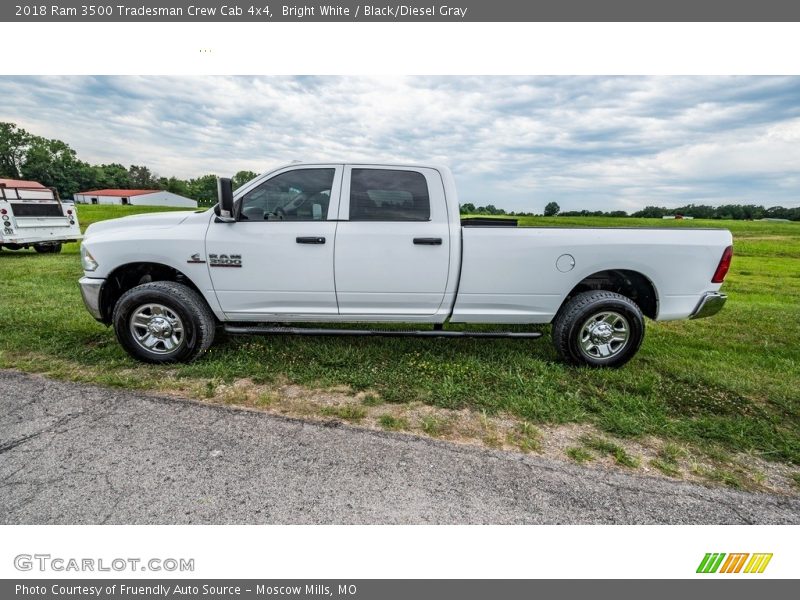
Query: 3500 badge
[(225, 260)]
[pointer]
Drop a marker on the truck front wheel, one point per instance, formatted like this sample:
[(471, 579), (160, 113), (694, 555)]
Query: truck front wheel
[(163, 322), (598, 329)]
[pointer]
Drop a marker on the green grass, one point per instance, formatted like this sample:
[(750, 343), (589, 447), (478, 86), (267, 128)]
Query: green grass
[(668, 459), (607, 447), (526, 437), (348, 412), (434, 426), (88, 214), (665, 467), (393, 423), (730, 382), (371, 400), (721, 475), (579, 455)]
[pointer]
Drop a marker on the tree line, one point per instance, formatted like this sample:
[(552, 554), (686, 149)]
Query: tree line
[(550, 210), (736, 212), (54, 163)]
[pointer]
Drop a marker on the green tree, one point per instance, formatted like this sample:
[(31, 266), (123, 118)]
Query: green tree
[(779, 212), (54, 164), (751, 211), (174, 185), (142, 178), (551, 209), (14, 142), (651, 212), (114, 176), (204, 189), (243, 177), (467, 209), (698, 211)]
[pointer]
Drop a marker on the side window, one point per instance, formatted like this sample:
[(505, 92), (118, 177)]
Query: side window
[(299, 195), (388, 195)]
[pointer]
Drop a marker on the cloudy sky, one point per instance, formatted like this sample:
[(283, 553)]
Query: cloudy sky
[(611, 143)]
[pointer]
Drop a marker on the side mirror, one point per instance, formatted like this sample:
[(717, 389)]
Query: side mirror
[(225, 197)]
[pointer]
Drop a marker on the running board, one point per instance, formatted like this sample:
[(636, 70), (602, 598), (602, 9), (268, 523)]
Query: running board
[(440, 333)]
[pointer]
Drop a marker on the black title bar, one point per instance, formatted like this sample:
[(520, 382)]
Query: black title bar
[(388, 589), (408, 11)]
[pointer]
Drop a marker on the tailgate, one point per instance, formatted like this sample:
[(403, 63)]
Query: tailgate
[(28, 222)]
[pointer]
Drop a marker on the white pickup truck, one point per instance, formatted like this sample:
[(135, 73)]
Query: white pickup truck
[(375, 243), (33, 215)]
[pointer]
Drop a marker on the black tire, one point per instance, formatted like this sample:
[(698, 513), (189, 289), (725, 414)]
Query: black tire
[(577, 344), (181, 307), (47, 248)]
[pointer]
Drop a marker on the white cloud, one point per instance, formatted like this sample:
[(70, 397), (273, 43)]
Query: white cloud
[(586, 142)]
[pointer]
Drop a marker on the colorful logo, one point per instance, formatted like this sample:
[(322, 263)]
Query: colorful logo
[(713, 562)]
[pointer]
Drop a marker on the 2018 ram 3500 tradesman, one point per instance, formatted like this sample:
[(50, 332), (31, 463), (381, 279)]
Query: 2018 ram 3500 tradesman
[(366, 243)]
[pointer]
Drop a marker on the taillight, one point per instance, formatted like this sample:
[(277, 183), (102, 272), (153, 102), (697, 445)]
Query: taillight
[(3, 211), (69, 212), (723, 266)]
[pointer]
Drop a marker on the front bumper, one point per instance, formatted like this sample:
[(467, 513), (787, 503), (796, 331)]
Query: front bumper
[(91, 289), (30, 240), (710, 304)]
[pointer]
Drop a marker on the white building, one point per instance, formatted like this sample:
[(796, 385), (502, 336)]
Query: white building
[(134, 198)]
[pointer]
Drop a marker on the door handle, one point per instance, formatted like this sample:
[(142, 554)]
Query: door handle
[(310, 240), (428, 241)]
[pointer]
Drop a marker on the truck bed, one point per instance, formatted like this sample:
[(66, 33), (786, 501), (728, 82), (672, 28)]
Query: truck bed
[(526, 270)]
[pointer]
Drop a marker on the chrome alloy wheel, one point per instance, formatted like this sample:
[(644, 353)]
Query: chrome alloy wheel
[(604, 335), (157, 329)]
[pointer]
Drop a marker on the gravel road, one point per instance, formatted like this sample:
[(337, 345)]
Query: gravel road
[(74, 453)]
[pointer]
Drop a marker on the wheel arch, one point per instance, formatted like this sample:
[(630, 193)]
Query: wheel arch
[(630, 283), (129, 275)]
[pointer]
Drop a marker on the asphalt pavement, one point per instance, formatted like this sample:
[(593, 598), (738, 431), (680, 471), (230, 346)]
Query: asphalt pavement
[(73, 453)]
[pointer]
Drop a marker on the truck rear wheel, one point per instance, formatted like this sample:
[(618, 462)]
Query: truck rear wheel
[(598, 329), (47, 248), (163, 322)]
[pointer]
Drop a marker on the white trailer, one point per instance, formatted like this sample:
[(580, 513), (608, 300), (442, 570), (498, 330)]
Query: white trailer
[(33, 216)]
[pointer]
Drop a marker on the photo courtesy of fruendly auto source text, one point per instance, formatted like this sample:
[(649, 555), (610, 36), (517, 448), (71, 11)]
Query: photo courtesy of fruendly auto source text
[(388, 301)]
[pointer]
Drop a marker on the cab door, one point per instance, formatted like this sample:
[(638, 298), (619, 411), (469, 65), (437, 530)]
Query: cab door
[(392, 243), (276, 260)]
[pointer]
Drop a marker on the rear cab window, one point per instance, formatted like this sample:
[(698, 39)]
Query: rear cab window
[(388, 195)]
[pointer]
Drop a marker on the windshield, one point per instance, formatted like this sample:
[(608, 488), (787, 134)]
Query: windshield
[(25, 194), (32, 201)]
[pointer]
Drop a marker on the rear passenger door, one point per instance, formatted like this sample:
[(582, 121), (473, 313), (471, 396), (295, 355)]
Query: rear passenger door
[(392, 242)]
